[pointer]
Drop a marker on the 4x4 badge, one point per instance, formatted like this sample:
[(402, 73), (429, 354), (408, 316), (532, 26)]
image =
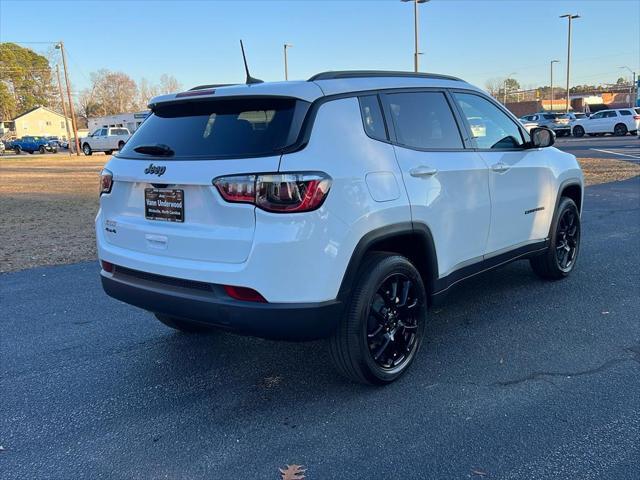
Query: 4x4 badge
[(154, 170)]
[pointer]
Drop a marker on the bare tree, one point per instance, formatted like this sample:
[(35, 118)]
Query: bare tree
[(493, 86), (110, 93), (147, 90), (169, 84)]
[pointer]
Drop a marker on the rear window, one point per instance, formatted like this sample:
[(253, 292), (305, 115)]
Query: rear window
[(550, 116), (625, 112), (119, 131), (221, 128)]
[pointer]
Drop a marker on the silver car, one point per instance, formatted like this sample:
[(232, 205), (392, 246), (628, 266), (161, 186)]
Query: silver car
[(558, 122)]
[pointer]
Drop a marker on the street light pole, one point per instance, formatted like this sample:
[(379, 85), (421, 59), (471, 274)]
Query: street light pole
[(286, 66), (60, 45), (570, 18), (552, 62), (632, 93), (415, 31)]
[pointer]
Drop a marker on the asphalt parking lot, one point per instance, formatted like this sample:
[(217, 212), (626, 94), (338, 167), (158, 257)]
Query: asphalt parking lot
[(518, 378), (617, 148)]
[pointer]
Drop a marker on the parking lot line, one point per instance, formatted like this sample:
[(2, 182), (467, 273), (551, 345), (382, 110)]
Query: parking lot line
[(616, 153)]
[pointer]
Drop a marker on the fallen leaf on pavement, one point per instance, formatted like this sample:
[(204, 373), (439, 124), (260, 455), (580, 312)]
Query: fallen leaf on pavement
[(293, 472)]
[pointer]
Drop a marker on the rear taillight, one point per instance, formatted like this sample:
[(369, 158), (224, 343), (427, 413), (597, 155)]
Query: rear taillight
[(106, 181), (243, 293), (277, 192), (636, 117)]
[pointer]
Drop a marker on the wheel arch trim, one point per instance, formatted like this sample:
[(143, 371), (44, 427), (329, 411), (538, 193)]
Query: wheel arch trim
[(386, 233)]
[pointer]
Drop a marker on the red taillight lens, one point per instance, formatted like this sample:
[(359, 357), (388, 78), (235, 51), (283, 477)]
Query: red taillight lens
[(106, 181), (636, 117), (277, 192), (243, 293), (106, 266), (237, 189), (291, 192)]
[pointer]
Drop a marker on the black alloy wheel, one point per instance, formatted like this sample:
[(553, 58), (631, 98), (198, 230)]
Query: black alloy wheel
[(559, 260), (567, 240), (384, 322), (392, 324), (620, 130)]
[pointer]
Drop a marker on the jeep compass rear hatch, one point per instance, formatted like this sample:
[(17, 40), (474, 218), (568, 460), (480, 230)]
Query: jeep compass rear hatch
[(163, 201)]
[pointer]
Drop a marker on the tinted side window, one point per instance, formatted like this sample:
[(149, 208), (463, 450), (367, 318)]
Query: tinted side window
[(625, 112), (424, 120), (372, 117), (610, 114), (490, 126), (596, 115)]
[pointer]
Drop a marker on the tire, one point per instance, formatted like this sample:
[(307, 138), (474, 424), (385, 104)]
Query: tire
[(362, 348), (578, 131), (120, 145), (620, 130), (183, 325), (554, 264), (86, 149), (108, 152), (17, 150), (42, 150)]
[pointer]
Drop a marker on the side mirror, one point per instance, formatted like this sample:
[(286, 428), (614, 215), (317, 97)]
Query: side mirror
[(542, 137)]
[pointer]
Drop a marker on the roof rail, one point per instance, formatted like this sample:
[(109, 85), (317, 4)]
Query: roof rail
[(215, 85), (377, 73)]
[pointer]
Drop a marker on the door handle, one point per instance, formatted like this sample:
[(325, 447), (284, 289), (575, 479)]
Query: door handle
[(500, 167), (423, 171)]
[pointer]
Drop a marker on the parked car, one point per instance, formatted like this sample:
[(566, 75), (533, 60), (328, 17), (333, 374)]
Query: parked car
[(616, 121), (528, 125), (573, 116), (31, 144), (554, 121), (105, 140), (2, 148), (340, 207)]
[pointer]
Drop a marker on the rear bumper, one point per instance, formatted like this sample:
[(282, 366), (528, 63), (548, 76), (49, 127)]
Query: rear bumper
[(208, 304)]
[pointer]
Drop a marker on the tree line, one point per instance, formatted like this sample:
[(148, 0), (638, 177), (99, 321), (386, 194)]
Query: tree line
[(27, 80)]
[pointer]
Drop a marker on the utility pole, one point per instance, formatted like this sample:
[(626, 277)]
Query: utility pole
[(415, 31), (570, 18), (64, 107), (60, 45), (552, 62), (286, 65)]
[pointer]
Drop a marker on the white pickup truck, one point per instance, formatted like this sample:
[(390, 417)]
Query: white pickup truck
[(105, 140)]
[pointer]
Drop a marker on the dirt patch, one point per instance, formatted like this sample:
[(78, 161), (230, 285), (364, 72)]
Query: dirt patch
[(48, 204), (601, 170), (47, 207)]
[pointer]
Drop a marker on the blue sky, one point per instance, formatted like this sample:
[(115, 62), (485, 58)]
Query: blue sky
[(197, 41)]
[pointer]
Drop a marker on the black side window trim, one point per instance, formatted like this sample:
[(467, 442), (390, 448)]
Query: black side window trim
[(523, 133)]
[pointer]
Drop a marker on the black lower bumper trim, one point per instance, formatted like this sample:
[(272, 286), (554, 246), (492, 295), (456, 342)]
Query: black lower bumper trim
[(278, 321)]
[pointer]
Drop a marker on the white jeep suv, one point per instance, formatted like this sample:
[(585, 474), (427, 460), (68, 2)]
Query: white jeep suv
[(340, 207)]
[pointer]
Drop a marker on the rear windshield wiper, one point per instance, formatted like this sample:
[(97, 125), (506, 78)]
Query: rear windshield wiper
[(159, 150)]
